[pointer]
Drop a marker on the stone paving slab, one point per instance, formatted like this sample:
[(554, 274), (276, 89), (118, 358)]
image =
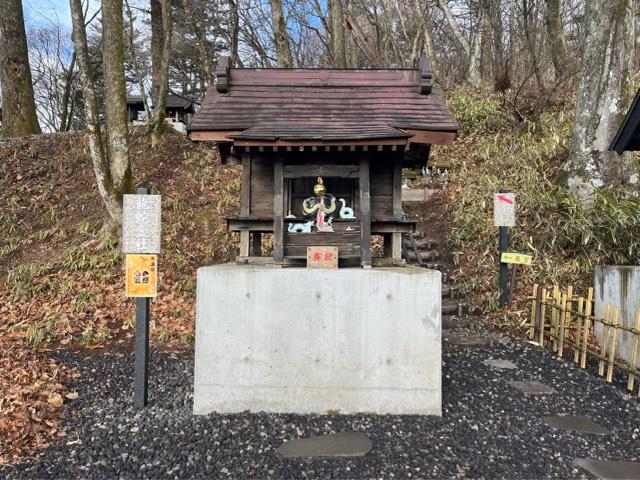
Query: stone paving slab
[(609, 469), (342, 444), (500, 363), (470, 340), (532, 387), (575, 424)]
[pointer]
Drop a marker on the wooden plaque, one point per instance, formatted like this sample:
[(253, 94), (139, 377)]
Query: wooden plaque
[(322, 257), (142, 275)]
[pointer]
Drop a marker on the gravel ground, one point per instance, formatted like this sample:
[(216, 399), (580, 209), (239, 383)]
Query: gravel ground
[(488, 430)]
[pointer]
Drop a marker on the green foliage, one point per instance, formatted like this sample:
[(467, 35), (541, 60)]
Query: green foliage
[(566, 237)]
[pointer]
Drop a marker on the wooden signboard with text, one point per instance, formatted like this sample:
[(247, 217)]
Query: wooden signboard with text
[(322, 257)]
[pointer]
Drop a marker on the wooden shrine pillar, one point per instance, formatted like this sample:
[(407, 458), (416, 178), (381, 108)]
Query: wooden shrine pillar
[(396, 192), (278, 211), (245, 202), (365, 211)]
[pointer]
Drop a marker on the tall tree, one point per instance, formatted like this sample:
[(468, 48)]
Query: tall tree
[(603, 93), (234, 30), (557, 40), (18, 106), (281, 39), (117, 128), (528, 18), (99, 158), (472, 50), (338, 41), (160, 105)]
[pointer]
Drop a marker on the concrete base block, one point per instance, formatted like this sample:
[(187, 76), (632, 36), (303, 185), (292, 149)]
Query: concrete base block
[(618, 286), (312, 341)]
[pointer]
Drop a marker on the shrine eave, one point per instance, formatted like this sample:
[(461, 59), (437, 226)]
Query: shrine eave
[(404, 138)]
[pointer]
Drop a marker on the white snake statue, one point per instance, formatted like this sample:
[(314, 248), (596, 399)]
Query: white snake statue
[(346, 212)]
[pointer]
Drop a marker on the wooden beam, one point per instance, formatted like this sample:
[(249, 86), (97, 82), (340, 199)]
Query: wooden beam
[(254, 225), (278, 211), (327, 144), (245, 186), (365, 212), (219, 136), (315, 170), (431, 137)]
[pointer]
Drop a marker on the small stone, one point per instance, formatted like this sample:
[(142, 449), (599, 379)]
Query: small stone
[(342, 444), (469, 340)]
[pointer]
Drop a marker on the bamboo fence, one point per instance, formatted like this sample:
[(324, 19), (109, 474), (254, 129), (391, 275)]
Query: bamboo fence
[(567, 323)]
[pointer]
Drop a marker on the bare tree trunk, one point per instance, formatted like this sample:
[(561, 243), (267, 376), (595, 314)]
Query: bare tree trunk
[(472, 52), (530, 35), (18, 106), (98, 156), (156, 48), (283, 51), (114, 99), (234, 30), (137, 70), (205, 67), (161, 105), (338, 43), (557, 40), (66, 108), (603, 94)]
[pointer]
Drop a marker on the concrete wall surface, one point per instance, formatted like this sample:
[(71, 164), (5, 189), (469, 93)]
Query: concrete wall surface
[(619, 286), (293, 340)]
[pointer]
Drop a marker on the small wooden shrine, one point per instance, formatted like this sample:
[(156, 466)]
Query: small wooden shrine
[(322, 153)]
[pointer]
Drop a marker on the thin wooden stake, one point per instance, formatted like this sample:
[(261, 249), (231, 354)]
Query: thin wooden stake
[(587, 327), (579, 325), (634, 353), (603, 351), (554, 318), (561, 323), (567, 312), (612, 349), (534, 305), (542, 316)]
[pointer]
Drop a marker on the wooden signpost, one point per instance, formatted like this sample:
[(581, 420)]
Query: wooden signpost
[(514, 259), (141, 242), (504, 216)]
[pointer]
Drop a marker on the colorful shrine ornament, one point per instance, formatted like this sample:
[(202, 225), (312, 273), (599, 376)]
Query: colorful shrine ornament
[(346, 212), (321, 201)]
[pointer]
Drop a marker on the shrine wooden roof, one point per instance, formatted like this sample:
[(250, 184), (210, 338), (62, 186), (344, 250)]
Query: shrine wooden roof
[(319, 106)]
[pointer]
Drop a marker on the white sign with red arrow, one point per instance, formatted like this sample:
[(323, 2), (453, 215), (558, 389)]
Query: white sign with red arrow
[(504, 209)]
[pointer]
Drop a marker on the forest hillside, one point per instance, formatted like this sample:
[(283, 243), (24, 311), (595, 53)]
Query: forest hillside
[(61, 289)]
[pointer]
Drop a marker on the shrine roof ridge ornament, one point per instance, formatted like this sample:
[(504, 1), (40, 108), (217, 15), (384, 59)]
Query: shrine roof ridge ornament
[(268, 106)]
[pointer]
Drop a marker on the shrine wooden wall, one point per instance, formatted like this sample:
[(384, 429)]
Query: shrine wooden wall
[(257, 199)]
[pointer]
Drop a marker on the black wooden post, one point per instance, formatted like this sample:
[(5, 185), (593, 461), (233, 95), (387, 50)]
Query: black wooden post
[(503, 246), (141, 383), (141, 390)]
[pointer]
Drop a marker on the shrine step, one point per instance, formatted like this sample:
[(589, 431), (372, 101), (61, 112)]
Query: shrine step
[(452, 307), (448, 291), (426, 255)]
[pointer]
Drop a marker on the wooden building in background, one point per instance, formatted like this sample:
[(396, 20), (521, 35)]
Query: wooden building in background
[(356, 129)]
